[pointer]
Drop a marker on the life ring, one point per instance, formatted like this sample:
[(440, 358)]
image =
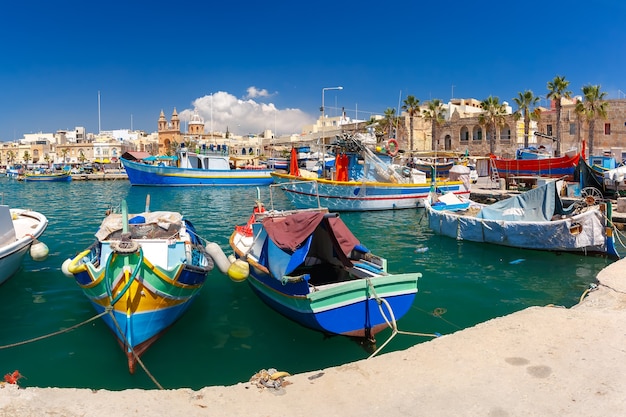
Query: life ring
[(396, 147)]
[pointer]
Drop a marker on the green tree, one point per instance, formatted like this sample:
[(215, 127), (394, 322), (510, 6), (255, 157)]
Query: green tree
[(493, 116), (64, 153), (81, 157), (579, 111), (557, 90), (525, 101), (595, 107), (411, 106), (11, 157), (434, 114), (26, 157)]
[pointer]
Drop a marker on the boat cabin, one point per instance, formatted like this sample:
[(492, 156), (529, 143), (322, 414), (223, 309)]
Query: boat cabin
[(209, 161)]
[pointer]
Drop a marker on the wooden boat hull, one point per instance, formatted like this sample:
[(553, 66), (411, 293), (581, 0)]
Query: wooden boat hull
[(27, 226), (348, 310), (142, 286), (558, 235), (360, 196), (560, 167), (155, 175), (143, 306), (351, 297), (65, 177)]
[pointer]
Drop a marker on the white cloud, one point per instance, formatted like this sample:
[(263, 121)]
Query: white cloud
[(254, 92), (245, 116)]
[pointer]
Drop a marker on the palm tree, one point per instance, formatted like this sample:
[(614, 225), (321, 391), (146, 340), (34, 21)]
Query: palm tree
[(64, 153), (434, 113), (595, 107), (11, 157), (26, 157), (579, 110), (557, 90), (493, 115), (525, 101), (411, 106)]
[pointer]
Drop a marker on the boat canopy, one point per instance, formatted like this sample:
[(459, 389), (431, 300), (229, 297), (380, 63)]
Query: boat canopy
[(539, 204), (314, 237)]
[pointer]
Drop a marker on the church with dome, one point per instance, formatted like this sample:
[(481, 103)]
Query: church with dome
[(170, 135)]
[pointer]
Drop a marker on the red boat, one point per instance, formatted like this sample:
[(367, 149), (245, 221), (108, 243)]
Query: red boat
[(562, 166)]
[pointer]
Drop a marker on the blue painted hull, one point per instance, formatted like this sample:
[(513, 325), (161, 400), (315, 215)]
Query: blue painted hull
[(359, 319), (349, 309), (360, 196), (154, 175)]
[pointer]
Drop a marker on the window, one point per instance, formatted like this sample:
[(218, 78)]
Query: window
[(607, 128), (549, 130), (572, 128)]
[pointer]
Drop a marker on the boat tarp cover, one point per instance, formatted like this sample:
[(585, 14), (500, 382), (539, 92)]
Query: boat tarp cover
[(540, 204), (292, 237), (113, 222)]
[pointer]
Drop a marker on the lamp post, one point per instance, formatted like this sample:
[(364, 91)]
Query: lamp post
[(322, 109)]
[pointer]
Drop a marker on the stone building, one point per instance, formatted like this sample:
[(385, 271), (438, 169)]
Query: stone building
[(168, 133), (461, 132), (609, 134)]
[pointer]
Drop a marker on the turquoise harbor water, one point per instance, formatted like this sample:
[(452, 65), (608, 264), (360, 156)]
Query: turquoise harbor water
[(228, 334)]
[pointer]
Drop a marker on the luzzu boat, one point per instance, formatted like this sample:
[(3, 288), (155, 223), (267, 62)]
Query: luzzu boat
[(535, 219), (207, 169), (308, 266), (141, 275), (48, 177), (363, 182)]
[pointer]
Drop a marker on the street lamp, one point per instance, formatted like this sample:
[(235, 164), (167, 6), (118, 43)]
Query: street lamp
[(322, 108)]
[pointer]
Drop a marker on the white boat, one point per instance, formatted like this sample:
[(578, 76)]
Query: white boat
[(19, 230), (535, 219)]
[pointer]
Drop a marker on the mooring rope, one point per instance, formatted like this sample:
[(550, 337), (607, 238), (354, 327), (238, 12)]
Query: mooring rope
[(69, 329), (391, 323), (137, 358)]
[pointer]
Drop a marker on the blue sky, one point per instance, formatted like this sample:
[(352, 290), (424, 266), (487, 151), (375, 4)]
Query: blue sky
[(263, 65)]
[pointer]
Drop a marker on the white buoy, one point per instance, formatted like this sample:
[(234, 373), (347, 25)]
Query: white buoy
[(38, 250), (219, 258), (65, 266)]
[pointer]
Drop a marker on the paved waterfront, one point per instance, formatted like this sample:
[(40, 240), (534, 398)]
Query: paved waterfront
[(542, 361)]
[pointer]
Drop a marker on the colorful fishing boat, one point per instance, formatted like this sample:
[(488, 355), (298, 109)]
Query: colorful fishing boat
[(19, 231), (558, 167), (141, 275), (64, 176), (308, 266), (362, 181), (203, 169), (536, 219)]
